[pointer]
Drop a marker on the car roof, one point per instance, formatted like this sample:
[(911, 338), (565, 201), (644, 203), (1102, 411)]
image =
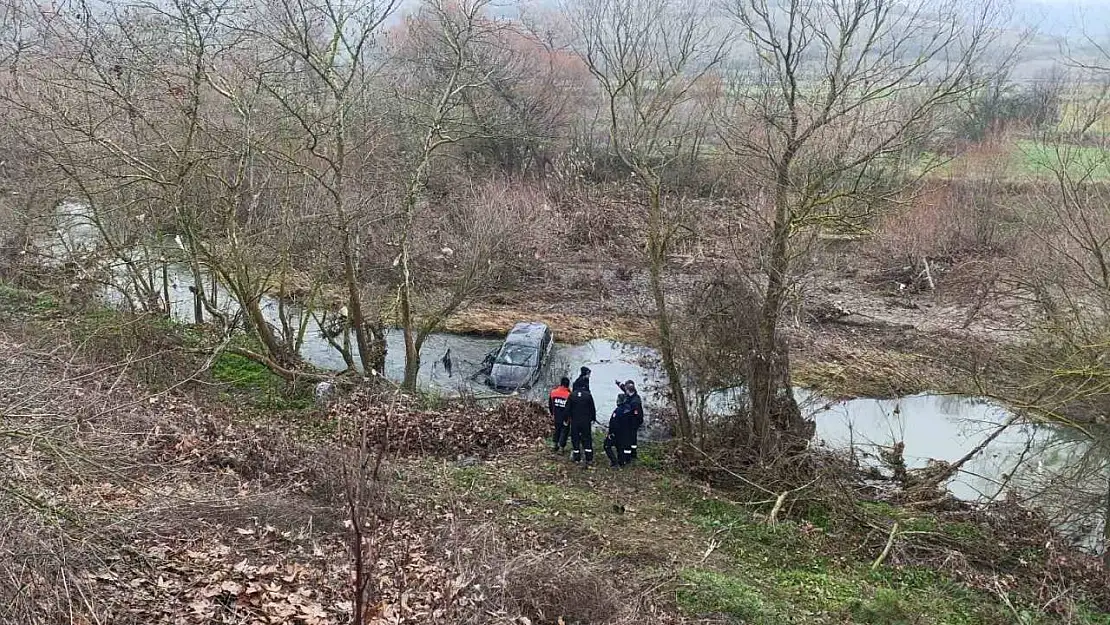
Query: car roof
[(527, 333)]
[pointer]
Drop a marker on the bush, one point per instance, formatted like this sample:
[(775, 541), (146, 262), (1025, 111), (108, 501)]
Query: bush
[(946, 219)]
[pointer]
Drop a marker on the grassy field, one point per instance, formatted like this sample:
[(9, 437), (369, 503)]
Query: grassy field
[(1021, 160), (1040, 159)]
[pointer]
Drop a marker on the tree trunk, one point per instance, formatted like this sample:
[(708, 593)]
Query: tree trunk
[(166, 289), (412, 352), (365, 346), (1106, 528), (776, 420), (198, 308), (275, 348), (408, 329), (657, 259)]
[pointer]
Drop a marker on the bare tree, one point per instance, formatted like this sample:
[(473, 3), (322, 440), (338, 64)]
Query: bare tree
[(648, 58), (1064, 272), (826, 96), (444, 61), (327, 53)]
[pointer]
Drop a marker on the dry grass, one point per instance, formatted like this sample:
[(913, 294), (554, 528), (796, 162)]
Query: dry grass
[(119, 505)]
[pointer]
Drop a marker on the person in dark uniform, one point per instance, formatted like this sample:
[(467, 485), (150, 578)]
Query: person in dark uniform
[(583, 414), (557, 405), (446, 361), (635, 409), (616, 441)]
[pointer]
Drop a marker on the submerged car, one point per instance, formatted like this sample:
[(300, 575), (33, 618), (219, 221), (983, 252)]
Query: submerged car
[(516, 365)]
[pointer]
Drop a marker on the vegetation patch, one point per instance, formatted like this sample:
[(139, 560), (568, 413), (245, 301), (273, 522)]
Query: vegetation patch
[(707, 593), (259, 387)]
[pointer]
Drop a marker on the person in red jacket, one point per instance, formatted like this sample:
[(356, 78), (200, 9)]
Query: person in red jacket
[(557, 404)]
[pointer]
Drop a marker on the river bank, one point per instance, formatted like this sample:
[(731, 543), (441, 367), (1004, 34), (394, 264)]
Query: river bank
[(213, 511), (855, 329), (857, 332), (930, 427)]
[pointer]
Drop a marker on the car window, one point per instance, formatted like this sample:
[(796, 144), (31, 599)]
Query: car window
[(517, 354)]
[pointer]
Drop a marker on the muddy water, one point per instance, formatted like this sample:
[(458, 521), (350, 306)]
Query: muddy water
[(608, 361), (940, 427)]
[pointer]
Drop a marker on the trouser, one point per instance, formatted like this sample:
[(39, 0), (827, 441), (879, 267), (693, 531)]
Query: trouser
[(619, 454), (633, 437), (582, 439), (618, 449), (559, 439)]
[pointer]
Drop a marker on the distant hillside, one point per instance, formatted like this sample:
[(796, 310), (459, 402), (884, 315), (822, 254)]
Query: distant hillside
[(1062, 28)]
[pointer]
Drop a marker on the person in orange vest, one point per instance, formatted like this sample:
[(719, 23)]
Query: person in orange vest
[(557, 404)]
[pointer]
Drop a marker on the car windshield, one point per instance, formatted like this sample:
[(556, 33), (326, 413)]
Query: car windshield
[(517, 354)]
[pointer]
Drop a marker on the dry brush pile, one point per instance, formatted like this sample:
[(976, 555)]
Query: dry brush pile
[(454, 429)]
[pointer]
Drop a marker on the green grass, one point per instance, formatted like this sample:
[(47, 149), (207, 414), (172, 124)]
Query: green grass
[(248, 380), (242, 373), (1025, 159), (704, 593), (784, 574), (490, 484), (725, 563), (15, 300), (1040, 159), (885, 608)]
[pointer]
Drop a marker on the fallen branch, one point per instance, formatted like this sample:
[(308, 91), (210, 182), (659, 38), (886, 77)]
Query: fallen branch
[(886, 550), (928, 274), (772, 518), (290, 375), (952, 469)]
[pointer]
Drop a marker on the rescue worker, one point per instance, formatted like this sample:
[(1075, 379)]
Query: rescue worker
[(583, 414), (616, 442), (557, 405), (583, 379), (635, 415)]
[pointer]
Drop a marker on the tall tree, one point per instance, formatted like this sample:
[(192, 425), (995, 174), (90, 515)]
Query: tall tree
[(443, 62), (327, 54), (648, 57), (826, 95)]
